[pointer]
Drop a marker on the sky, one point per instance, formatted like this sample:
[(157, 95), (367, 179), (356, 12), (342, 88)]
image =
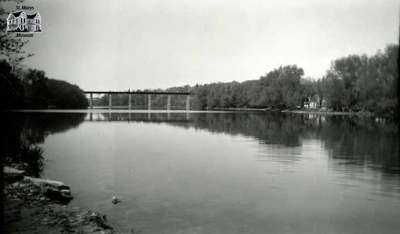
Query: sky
[(120, 45)]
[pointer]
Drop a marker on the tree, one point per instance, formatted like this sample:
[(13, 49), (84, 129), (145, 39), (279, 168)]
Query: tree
[(367, 83), (282, 88), (42, 92), (11, 88), (11, 47), (12, 53), (333, 89), (349, 70)]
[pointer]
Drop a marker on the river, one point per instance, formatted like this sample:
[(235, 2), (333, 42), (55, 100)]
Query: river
[(223, 172)]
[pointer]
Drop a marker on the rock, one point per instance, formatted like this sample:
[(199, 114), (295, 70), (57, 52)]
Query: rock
[(66, 193), (99, 221), (115, 200), (47, 183), (12, 175), (53, 189), (58, 195)]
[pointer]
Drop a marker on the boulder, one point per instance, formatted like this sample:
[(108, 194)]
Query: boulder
[(12, 175), (47, 183), (115, 200), (53, 189), (99, 220)]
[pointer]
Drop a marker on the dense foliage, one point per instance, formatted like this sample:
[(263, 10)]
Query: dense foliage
[(353, 83), (363, 83), (11, 88), (33, 89)]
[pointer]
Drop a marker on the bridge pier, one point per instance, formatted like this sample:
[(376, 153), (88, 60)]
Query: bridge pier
[(91, 100), (169, 102), (109, 101), (188, 103), (149, 101), (130, 101)]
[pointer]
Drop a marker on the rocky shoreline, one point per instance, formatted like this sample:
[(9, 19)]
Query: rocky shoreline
[(33, 205)]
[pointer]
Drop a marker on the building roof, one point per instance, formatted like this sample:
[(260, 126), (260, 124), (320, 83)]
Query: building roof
[(31, 16), (16, 14)]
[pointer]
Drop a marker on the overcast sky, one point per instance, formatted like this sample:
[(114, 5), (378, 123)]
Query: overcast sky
[(116, 45)]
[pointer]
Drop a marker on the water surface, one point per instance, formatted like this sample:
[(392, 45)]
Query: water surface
[(225, 172)]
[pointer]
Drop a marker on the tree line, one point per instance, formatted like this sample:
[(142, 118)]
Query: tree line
[(32, 89), (353, 83), (356, 83)]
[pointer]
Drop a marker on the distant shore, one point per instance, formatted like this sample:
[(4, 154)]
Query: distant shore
[(327, 112), (300, 111)]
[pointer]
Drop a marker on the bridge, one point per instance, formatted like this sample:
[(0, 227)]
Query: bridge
[(130, 93)]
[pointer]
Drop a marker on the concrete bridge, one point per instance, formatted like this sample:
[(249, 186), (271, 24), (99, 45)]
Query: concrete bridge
[(148, 93)]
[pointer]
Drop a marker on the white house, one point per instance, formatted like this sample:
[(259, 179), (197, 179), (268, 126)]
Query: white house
[(19, 21), (16, 22), (34, 22)]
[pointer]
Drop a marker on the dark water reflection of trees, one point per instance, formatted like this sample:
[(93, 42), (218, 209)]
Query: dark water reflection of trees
[(363, 142), (22, 132), (354, 140), (358, 141)]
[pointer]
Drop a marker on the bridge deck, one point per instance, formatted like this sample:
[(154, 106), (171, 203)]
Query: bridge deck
[(137, 92)]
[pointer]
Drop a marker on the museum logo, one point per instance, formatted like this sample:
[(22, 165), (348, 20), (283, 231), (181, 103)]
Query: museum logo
[(24, 21)]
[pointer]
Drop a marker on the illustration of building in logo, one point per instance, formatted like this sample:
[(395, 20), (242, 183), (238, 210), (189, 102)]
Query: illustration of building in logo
[(20, 21)]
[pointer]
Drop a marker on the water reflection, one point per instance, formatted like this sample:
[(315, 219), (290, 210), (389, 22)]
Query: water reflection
[(362, 142), (23, 132), (138, 117), (349, 140)]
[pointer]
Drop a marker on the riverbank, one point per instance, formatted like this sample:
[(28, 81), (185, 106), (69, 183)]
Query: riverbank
[(31, 205), (300, 111), (327, 112)]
